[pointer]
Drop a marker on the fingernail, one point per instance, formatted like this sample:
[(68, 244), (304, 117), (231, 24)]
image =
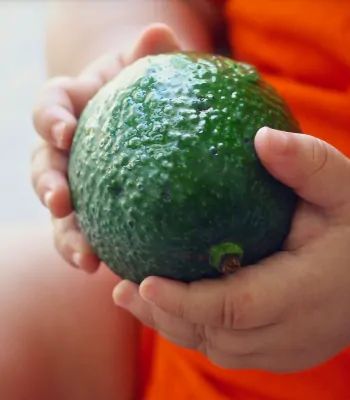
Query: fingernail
[(121, 295), (77, 259), (277, 140), (47, 198), (147, 290), (58, 134)]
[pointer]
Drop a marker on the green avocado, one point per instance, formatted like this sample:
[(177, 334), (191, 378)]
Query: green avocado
[(163, 172)]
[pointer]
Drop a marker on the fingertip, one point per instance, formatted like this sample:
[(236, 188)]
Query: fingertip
[(148, 288), (47, 199), (57, 200), (87, 262), (261, 134), (271, 143), (77, 260), (156, 38), (62, 134), (123, 293), (52, 121)]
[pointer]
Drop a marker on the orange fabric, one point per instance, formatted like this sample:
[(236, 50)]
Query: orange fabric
[(302, 48), (184, 374)]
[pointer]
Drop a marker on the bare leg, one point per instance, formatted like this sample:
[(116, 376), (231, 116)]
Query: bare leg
[(60, 333)]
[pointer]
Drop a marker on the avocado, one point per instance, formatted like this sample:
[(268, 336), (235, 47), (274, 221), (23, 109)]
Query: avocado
[(163, 173)]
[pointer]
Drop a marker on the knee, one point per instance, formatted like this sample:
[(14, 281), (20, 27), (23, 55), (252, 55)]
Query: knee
[(60, 334)]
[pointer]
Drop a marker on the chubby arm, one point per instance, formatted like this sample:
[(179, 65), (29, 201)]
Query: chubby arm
[(80, 31)]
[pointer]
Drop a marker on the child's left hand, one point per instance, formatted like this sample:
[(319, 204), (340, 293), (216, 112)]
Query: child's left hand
[(288, 312)]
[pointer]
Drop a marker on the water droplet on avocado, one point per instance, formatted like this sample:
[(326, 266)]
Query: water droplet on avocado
[(213, 151), (139, 186)]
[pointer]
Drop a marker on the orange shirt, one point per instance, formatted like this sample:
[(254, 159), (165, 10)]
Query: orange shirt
[(303, 48)]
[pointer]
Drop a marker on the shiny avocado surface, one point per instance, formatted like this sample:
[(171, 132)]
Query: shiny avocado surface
[(163, 172)]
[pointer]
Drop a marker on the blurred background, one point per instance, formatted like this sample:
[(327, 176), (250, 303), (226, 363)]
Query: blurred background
[(22, 72)]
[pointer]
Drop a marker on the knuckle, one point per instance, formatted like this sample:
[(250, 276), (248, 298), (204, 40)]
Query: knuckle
[(235, 344), (235, 310), (239, 308), (41, 180), (244, 307), (319, 155), (35, 151), (42, 114), (201, 339), (61, 82), (37, 116), (227, 312), (181, 310)]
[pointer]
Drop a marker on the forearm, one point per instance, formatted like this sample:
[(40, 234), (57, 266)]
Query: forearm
[(80, 31)]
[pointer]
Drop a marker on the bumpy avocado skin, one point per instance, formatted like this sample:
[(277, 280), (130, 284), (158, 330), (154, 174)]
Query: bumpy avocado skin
[(164, 167)]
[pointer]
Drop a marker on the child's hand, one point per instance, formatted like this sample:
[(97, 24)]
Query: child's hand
[(290, 311), (55, 118)]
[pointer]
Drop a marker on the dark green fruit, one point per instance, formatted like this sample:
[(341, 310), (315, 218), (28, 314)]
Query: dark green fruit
[(163, 173)]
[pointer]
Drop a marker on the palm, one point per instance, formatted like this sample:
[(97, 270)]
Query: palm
[(308, 223), (288, 312)]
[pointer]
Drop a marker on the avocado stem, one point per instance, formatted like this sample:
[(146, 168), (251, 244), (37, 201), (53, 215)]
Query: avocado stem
[(226, 257), (230, 264)]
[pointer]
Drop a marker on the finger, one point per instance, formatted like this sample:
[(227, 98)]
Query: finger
[(72, 245), (55, 124), (308, 165), (255, 296), (156, 38), (126, 295), (59, 106), (53, 191), (49, 168)]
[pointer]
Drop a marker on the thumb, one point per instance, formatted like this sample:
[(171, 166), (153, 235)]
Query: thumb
[(155, 39), (316, 171)]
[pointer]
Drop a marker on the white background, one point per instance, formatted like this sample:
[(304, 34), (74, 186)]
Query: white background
[(22, 25)]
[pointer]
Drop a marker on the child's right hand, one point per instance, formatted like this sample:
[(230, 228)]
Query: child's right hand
[(55, 118)]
